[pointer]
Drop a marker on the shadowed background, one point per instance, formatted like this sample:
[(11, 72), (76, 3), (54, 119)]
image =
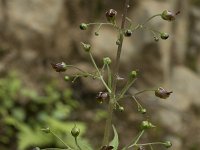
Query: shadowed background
[(34, 33)]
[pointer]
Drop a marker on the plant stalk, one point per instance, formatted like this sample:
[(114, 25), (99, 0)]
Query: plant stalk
[(114, 82)]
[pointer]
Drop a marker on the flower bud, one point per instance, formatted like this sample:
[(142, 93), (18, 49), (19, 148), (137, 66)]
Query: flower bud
[(96, 33), (164, 35), (143, 111), (146, 125), (107, 61), (128, 33), (168, 15), (167, 144), (121, 109), (66, 78), (162, 93), (75, 131), (110, 15), (102, 96), (46, 130), (86, 47), (59, 67), (118, 42), (133, 74), (83, 26)]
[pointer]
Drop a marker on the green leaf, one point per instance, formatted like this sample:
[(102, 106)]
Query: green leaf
[(115, 141)]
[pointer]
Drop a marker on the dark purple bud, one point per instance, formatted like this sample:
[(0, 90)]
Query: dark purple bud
[(128, 33), (168, 15), (102, 96), (59, 67), (162, 93), (110, 15)]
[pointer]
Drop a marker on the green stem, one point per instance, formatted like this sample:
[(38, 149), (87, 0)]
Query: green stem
[(109, 77), (140, 92), (125, 89), (138, 138), (150, 19), (114, 78), (60, 139), (76, 142), (153, 143), (99, 73)]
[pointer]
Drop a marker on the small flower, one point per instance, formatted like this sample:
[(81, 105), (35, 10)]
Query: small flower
[(75, 131), (128, 33), (86, 47), (164, 35), (110, 15), (167, 144), (102, 96), (162, 93), (146, 125), (59, 67), (83, 26), (168, 15), (141, 148)]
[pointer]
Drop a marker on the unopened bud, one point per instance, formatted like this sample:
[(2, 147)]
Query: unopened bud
[(107, 61), (66, 78), (146, 125), (164, 35), (128, 33), (167, 144), (46, 130), (83, 26), (86, 47), (156, 39), (75, 131), (121, 109), (133, 74)]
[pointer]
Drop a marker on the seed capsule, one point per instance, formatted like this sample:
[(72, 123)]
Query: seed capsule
[(107, 61)]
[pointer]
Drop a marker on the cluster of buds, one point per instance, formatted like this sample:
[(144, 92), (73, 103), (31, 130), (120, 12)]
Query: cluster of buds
[(146, 125), (107, 60)]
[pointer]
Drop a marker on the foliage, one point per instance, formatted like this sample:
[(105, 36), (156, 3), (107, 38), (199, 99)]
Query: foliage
[(23, 112)]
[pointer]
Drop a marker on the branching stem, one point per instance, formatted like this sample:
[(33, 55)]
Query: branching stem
[(114, 78)]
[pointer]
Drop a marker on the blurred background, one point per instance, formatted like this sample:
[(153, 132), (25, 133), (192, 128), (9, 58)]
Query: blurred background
[(34, 33)]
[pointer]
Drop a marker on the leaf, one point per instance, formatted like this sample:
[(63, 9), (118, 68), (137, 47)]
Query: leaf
[(115, 141)]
